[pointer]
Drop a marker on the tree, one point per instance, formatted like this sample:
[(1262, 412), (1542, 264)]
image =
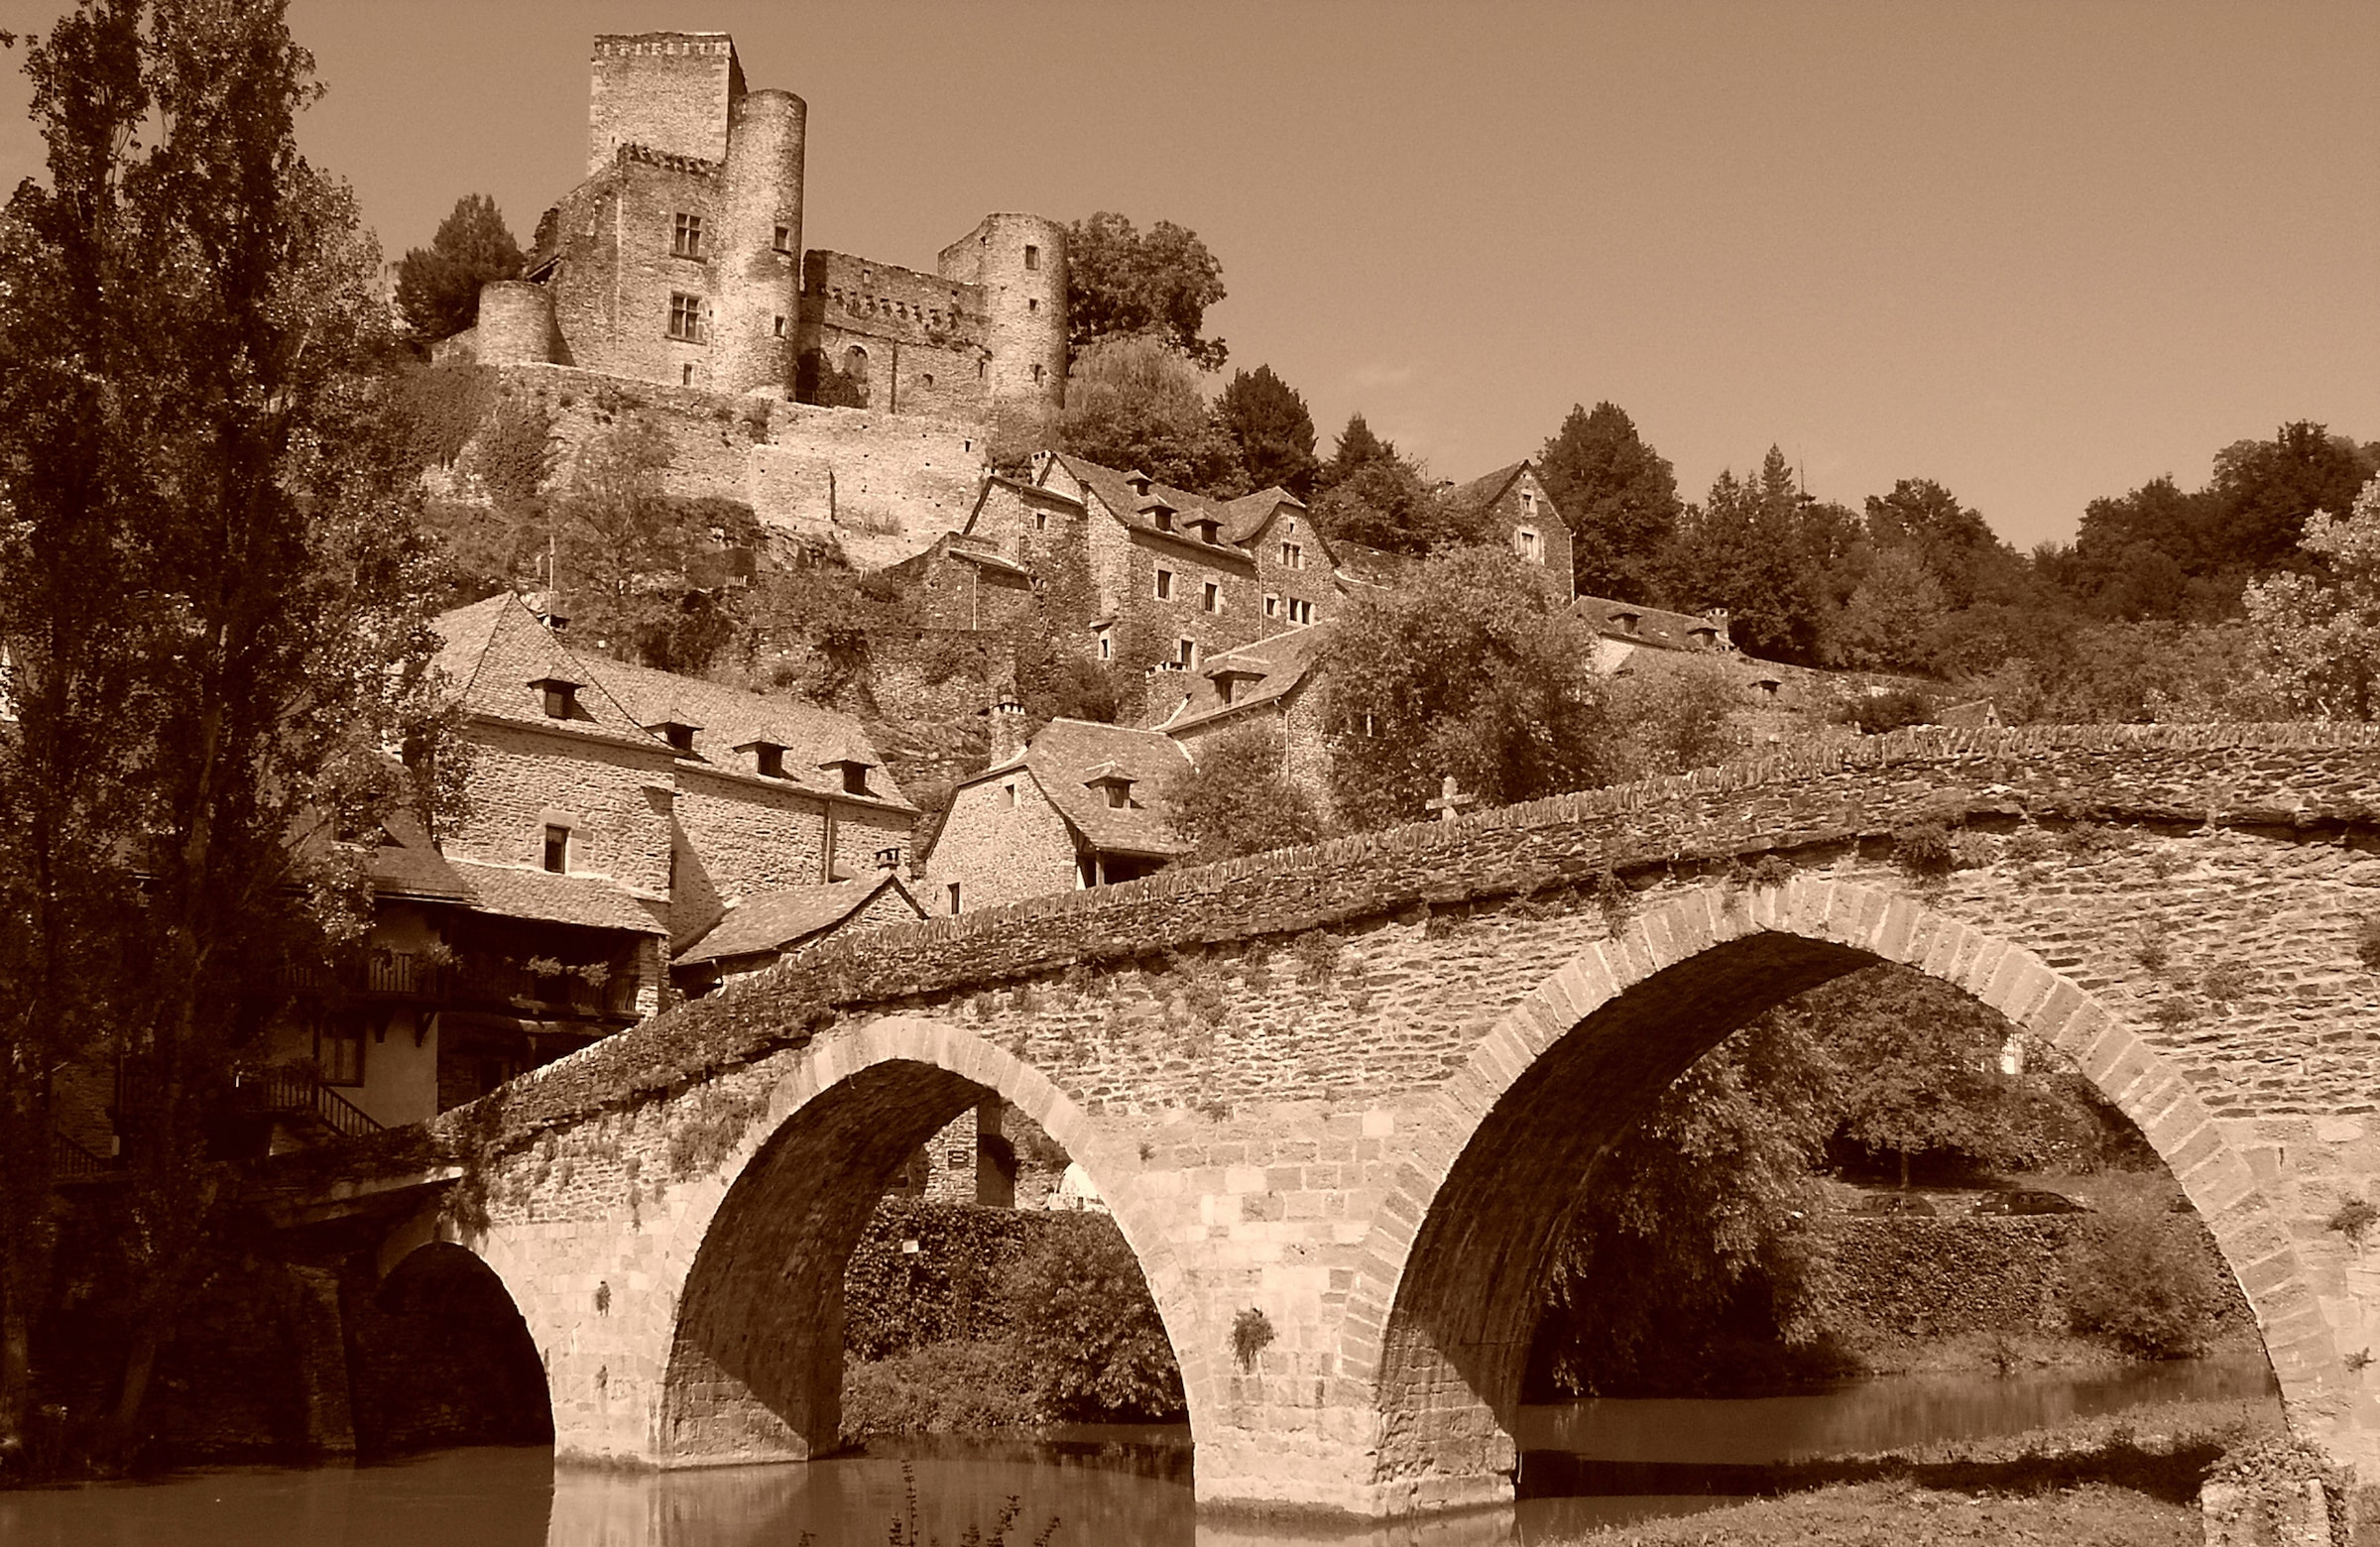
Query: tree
[(1954, 545), (1240, 799), (1744, 549), (1135, 403), (1690, 1226), (1894, 614), (1470, 669), (2317, 636), (1375, 495), (1269, 424), (1619, 497), (196, 416), (2264, 491), (437, 287), (1122, 283)]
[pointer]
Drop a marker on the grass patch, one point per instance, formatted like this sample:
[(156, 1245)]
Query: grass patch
[(1896, 1514)]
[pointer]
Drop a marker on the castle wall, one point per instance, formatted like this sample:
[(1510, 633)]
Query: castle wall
[(921, 336), (616, 274), (884, 485), (669, 92), (754, 260)]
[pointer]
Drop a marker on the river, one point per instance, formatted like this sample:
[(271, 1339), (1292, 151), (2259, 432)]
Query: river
[(1102, 1485)]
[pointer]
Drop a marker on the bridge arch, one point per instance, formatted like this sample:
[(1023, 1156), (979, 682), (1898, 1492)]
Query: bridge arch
[(1439, 1320), (754, 1363), (441, 1353)]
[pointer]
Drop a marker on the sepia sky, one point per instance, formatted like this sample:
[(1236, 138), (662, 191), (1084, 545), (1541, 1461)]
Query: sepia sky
[(2039, 252)]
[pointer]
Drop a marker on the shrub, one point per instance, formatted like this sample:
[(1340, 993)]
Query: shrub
[(1089, 1335), (2354, 1218), (1252, 1335), (1925, 850), (2132, 1280), (939, 1388)]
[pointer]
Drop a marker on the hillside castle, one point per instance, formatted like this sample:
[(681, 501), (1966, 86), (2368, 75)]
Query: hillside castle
[(673, 282)]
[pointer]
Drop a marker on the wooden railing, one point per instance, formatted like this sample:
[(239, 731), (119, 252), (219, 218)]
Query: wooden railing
[(71, 1160), (292, 1092)]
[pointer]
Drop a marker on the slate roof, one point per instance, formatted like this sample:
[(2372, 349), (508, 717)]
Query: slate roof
[(1126, 503), (589, 901), (408, 865), (493, 650), (1486, 489), (779, 920), (1278, 665), (1369, 565), (1247, 515), (1068, 751), (1655, 626), (726, 718)]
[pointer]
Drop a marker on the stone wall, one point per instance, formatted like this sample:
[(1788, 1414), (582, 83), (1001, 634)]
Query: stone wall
[(1002, 841), (522, 778), (670, 92)]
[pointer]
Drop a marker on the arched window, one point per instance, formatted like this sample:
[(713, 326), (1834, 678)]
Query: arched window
[(855, 364)]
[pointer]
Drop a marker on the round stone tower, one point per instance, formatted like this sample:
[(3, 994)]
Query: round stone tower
[(515, 323), (1021, 262), (755, 260)]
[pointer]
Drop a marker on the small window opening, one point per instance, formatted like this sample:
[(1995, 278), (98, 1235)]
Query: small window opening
[(855, 779), (1107, 646), (1272, 607), (1032, 258), (1037, 374), (780, 332), (686, 375), (558, 848), (1008, 796), (784, 240), (1186, 651), (1040, 521), (1224, 689), (1031, 304), (1164, 585), (1211, 598), (927, 377)]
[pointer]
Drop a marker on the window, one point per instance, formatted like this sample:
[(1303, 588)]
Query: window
[(1293, 555), (780, 332), (1040, 521), (1107, 646), (1272, 607), (954, 898), (1300, 610), (1531, 545), (1224, 687), (769, 759), (1164, 585), (1031, 305), (1008, 796), (678, 734), (784, 240), (685, 317), (927, 377), (1116, 796), (855, 779), (561, 699), (1529, 503), (558, 848), (1036, 373), (685, 238), (1211, 597), (1032, 258), (339, 1046), (1164, 520), (686, 375), (1186, 652)]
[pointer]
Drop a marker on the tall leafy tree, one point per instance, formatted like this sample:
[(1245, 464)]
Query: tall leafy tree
[(1124, 281), (1136, 401), (1240, 799), (1274, 429), (1619, 497), (1954, 545), (2265, 491), (2317, 636), (1373, 494), (437, 287), (1473, 670), (194, 420), (1357, 447), (1744, 549)]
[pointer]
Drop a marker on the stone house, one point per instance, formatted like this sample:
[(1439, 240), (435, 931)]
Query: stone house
[(1271, 684), (1512, 509), (620, 819), (965, 583), (1079, 805), (1627, 630)]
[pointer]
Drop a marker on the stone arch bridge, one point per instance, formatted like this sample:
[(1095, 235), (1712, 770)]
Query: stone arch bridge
[(1356, 1087)]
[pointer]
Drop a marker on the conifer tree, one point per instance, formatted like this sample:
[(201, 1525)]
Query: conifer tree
[(1619, 495), (1274, 429), (437, 287)]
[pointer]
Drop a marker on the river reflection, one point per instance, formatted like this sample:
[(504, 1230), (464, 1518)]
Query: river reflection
[(1103, 1486)]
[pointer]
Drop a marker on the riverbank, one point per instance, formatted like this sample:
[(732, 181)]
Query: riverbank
[(1895, 1514)]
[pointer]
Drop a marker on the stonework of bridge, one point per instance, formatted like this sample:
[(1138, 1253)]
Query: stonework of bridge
[(1359, 1088)]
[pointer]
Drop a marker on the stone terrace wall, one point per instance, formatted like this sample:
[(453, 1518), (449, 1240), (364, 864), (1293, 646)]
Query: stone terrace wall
[(2271, 791)]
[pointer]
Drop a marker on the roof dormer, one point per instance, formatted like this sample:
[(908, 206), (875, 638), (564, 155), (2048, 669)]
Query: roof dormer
[(1625, 620), (561, 697), (1704, 636), (850, 773), (1203, 526), (679, 734), (767, 758), (1155, 508), (1112, 784), (1140, 482)]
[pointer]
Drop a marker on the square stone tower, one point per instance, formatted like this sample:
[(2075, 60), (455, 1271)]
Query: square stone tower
[(671, 92)]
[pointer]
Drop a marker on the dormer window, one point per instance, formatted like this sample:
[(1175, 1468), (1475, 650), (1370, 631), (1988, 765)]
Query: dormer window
[(1140, 481), (1114, 786), (1704, 639), (850, 773), (767, 758), (560, 695), (1625, 622), (1206, 530), (678, 734)]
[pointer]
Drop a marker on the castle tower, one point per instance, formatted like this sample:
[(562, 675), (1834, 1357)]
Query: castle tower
[(671, 92), (1020, 262), (756, 262), (515, 323)]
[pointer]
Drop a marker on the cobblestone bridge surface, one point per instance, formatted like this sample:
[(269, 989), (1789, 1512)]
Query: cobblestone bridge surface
[(1356, 1088)]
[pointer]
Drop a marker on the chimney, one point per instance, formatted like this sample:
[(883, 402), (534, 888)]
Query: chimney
[(1719, 625), (1007, 731)]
